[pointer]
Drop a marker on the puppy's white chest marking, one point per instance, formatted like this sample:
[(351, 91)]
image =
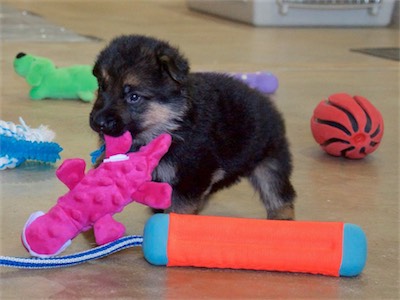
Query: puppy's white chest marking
[(165, 172)]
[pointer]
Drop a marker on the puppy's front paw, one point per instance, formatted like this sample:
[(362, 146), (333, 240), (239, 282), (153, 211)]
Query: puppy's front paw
[(286, 212)]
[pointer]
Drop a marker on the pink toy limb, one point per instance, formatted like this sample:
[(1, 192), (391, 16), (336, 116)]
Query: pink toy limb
[(156, 149), (153, 194), (118, 145), (71, 172), (106, 230)]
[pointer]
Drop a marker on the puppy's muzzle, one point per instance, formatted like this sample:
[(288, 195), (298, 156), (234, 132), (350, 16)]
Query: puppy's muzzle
[(105, 124)]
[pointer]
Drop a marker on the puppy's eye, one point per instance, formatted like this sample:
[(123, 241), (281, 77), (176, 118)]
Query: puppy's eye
[(133, 98)]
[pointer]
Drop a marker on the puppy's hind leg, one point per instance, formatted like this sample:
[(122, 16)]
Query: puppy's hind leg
[(271, 179), (183, 205)]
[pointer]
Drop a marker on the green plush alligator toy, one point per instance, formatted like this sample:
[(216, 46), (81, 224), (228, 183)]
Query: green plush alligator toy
[(48, 81)]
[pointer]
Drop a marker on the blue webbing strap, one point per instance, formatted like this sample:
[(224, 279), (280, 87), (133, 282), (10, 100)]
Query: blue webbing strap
[(74, 259)]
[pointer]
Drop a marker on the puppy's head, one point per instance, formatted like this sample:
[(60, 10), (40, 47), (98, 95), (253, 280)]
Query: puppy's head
[(141, 88)]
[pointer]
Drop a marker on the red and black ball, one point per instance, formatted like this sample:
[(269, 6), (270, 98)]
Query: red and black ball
[(347, 126)]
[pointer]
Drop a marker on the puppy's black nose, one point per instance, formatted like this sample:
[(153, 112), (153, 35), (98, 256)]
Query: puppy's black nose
[(103, 124), (107, 126), (19, 55)]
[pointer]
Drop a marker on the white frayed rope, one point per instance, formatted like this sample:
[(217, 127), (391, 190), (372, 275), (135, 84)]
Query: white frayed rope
[(22, 132)]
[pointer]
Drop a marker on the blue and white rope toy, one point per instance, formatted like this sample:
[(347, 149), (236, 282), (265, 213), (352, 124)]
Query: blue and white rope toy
[(19, 143), (74, 259)]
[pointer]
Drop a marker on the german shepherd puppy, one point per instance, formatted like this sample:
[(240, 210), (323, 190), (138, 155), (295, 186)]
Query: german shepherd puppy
[(222, 130)]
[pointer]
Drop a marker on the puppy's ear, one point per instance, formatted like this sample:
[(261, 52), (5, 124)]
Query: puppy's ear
[(174, 64)]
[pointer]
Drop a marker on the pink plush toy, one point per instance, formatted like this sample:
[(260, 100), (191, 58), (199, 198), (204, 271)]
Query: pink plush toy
[(95, 197)]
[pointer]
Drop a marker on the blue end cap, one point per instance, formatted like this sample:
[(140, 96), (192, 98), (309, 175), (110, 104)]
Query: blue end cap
[(354, 250), (155, 239)]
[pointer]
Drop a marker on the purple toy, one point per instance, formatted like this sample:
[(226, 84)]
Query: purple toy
[(95, 197), (263, 81)]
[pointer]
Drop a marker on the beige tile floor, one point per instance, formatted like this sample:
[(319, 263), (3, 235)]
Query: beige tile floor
[(311, 64)]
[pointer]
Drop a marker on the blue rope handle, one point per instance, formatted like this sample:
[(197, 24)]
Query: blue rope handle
[(74, 259)]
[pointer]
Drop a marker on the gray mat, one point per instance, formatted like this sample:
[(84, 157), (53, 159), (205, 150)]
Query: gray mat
[(28, 27), (388, 53)]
